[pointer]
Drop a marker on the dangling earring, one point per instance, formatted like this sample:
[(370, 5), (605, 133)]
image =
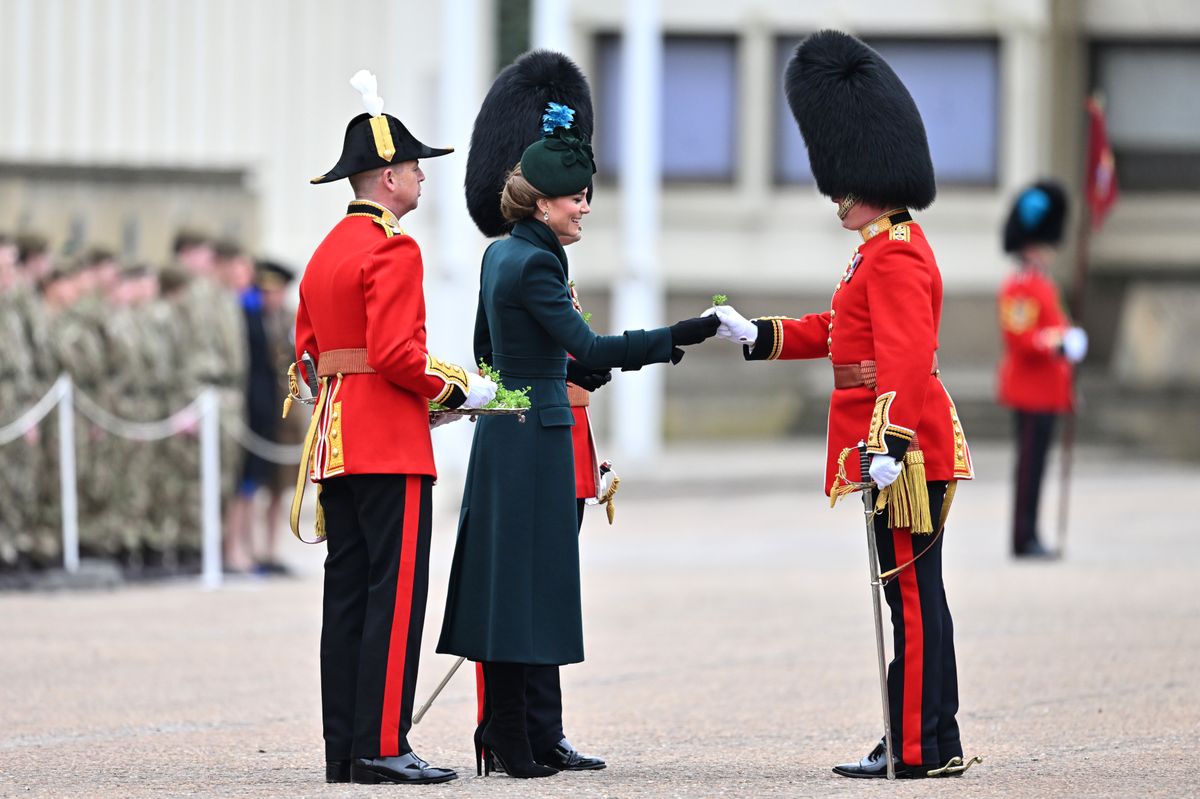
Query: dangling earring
[(546, 216)]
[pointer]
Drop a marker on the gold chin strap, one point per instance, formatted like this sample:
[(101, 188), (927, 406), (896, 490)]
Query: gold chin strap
[(847, 203), (310, 442)]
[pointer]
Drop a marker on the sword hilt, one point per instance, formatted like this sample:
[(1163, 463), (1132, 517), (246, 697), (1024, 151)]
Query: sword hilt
[(864, 463)]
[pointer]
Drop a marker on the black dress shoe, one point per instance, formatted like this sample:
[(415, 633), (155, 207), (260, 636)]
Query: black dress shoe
[(1036, 551), (565, 757), (403, 768), (337, 771), (874, 766)]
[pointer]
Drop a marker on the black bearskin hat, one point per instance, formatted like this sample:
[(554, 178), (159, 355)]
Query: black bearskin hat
[(510, 120), (1037, 216), (862, 129)]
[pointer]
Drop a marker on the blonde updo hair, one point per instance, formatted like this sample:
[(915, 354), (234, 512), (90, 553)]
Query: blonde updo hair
[(519, 199)]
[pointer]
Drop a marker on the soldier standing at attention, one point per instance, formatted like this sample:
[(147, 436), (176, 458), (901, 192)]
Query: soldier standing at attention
[(362, 318), (1040, 347), (18, 391), (869, 154)]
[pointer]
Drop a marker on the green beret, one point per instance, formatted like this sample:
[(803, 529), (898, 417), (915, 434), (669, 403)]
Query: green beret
[(559, 165)]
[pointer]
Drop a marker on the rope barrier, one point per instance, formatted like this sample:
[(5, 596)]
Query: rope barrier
[(186, 417), (282, 454), (33, 417)]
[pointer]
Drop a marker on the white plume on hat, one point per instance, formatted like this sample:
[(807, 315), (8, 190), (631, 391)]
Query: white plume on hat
[(368, 87)]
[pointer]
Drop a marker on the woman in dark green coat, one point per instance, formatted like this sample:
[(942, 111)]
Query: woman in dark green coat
[(514, 597)]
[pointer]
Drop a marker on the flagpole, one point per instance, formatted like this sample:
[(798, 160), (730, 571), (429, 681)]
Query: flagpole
[(1076, 306)]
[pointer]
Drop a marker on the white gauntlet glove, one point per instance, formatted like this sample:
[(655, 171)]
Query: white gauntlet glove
[(1074, 344), (734, 327), (885, 469), (481, 391)]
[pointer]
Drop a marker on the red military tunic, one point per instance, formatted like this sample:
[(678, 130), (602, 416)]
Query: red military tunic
[(362, 290), (583, 442), (886, 308), (1034, 375)]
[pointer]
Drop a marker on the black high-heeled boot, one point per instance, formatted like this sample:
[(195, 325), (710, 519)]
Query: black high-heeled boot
[(506, 737)]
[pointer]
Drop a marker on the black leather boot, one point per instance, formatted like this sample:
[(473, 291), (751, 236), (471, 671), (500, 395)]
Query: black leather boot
[(407, 768), (506, 737), (565, 757)]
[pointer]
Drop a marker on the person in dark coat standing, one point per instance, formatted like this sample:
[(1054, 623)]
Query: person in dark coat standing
[(869, 154), (362, 318), (1040, 347), (514, 594), (509, 120)]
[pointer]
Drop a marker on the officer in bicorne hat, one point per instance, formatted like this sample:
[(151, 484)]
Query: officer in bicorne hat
[(1040, 346), (361, 318), (868, 151)]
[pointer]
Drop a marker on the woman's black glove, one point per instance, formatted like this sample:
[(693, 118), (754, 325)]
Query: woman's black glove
[(586, 378), (695, 330)]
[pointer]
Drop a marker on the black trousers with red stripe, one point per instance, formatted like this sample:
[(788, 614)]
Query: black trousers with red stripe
[(922, 677), (1034, 431), (543, 696), (376, 583)]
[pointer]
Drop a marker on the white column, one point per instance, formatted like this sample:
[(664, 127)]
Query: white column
[(21, 117), (210, 487), (452, 288), (550, 26), (48, 140), (638, 300), (79, 144)]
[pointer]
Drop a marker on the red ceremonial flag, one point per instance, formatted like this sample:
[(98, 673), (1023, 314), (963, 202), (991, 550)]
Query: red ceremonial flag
[(1101, 168)]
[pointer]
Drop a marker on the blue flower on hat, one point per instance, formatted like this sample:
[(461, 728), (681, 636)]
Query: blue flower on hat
[(1032, 207), (557, 116)]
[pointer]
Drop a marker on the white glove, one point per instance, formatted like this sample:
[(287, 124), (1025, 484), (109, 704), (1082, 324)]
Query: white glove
[(734, 327), (480, 391), (885, 469), (1075, 344)]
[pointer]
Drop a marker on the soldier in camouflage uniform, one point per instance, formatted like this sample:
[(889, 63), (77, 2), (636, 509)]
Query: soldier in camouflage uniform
[(100, 520), (126, 394), (40, 540), (174, 459), (18, 391), (77, 349)]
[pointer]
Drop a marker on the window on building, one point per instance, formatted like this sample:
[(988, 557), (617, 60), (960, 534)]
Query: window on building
[(1152, 105), (955, 84), (699, 113)]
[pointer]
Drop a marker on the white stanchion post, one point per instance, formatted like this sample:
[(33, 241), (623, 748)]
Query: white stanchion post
[(67, 475), (210, 486)]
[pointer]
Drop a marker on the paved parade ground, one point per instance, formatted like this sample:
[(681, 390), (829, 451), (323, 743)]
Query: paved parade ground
[(730, 652)]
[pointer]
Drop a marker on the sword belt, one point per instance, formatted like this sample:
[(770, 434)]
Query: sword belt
[(853, 375), (345, 362)]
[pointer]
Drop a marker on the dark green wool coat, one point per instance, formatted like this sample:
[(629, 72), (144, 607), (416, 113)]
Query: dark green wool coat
[(514, 582)]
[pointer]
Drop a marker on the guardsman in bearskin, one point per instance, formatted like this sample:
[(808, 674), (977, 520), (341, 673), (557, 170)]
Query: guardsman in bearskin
[(868, 151), (361, 319), (1040, 346), (510, 120)]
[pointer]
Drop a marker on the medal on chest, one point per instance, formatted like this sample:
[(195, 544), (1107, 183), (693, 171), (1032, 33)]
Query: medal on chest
[(852, 267)]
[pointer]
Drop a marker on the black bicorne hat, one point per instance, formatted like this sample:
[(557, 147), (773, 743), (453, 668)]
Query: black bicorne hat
[(864, 134), (375, 141), (1037, 216), (510, 120)]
